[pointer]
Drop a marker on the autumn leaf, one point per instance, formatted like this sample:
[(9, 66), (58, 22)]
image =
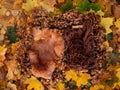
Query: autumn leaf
[(116, 84), (100, 12), (82, 79), (71, 74), (30, 4), (61, 1), (12, 33), (109, 36), (113, 68), (50, 2), (17, 4), (2, 10), (12, 67), (107, 22), (2, 53), (106, 6), (48, 7), (117, 23), (60, 86), (11, 86), (14, 47), (118, 73), (2, 32), (33, 83), (67, 6), (105, 43), (97, 87), (87, 6)]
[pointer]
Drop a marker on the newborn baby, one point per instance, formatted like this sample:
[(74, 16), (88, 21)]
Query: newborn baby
[(46, 49)]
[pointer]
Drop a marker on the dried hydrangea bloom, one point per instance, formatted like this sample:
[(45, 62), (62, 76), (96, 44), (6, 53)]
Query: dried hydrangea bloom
[(45, 51)]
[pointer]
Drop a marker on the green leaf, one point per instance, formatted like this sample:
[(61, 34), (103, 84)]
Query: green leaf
[(12, 33), (111, 82), (89, 83), (67, 6), (96, 6), (83, 6), (86, 6), (109, 36)]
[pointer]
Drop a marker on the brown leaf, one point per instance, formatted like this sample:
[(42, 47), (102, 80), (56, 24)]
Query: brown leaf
[(116, 11)]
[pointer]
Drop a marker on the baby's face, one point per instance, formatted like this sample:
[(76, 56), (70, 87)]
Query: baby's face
[(45, 51)]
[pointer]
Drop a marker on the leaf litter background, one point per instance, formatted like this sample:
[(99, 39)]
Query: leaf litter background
[(16, 20)]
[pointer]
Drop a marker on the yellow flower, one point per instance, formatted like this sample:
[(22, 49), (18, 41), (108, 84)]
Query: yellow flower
[(71, 75), (97, 87), (60, 86), (33, 83), (82, 79)]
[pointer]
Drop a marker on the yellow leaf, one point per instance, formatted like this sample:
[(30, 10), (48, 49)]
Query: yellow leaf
[(11, 86), (97, 87), (116, 84), (109, 49), (106, 5), (2, 53), (118, 73), (71, 74), (60, 86), (117, 23), (82, 79), (33, 83), (14, 47), (60, 1), (113, 68), (11, 66), (1, 64), (17, 4), (101, 13), (2, 32), (12, 20), (107, 87), (10, 75), (49, 2), (2, 10), (107, 22), (30, 4), (105, 43), (47, 6)]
